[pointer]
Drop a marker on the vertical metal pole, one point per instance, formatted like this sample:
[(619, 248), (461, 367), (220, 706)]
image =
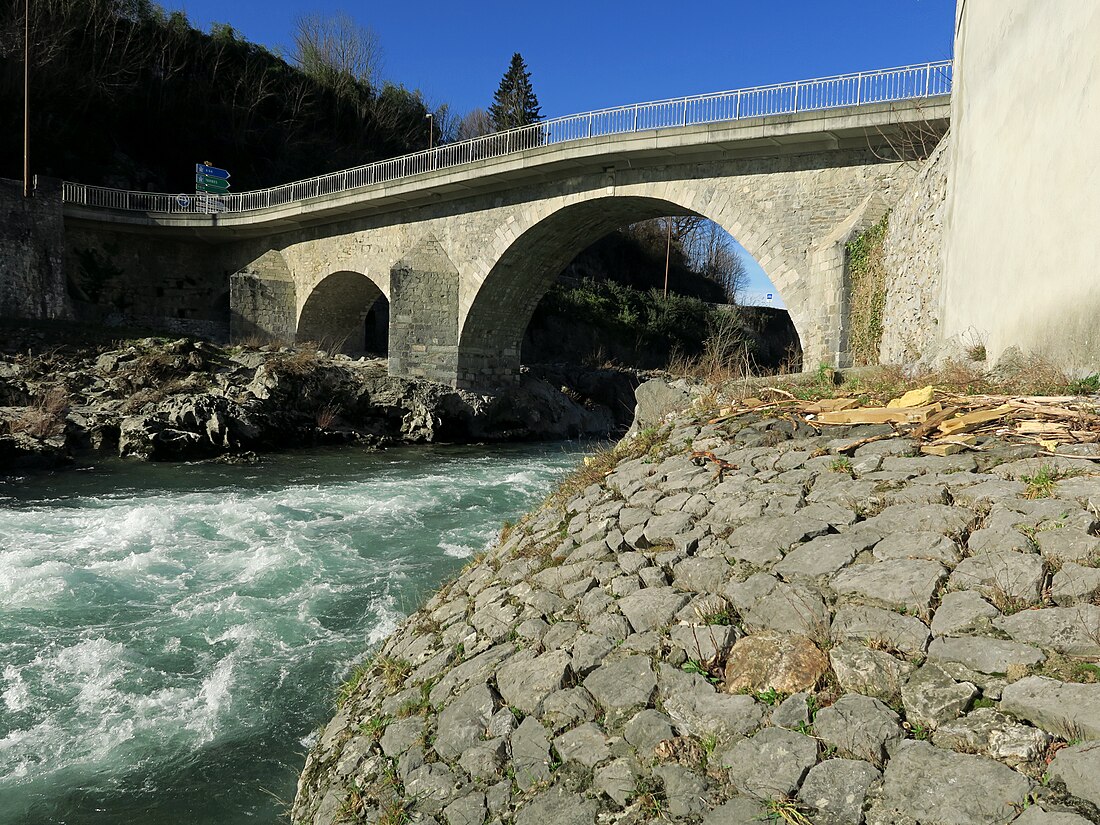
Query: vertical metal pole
[(668, 251), (859, 84), (27, 101)]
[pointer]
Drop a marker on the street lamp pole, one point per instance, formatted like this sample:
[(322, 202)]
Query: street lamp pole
[(431, 129), (27, 100)]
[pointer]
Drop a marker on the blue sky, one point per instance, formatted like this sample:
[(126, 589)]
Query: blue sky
[(588, 55)]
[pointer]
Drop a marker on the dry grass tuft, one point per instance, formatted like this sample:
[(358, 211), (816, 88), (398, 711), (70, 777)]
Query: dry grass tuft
[(45, 417)]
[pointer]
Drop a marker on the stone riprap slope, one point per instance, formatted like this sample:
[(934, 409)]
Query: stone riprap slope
[(876, 637)]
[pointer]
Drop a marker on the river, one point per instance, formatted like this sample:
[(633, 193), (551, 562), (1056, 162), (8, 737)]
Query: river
[(172, 635)]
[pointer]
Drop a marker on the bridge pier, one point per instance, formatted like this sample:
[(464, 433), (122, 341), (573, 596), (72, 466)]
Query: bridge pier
[(424, 314)]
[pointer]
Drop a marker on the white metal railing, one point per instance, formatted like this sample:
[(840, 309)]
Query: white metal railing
[(856, 89)]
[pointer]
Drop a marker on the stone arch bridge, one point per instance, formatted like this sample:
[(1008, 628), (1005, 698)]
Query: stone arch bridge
[(449, 260)]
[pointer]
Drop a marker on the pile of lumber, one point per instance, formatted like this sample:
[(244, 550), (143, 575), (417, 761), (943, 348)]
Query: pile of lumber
[(947, 422)]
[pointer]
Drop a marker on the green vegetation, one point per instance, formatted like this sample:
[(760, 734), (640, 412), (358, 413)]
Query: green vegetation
[(868, 299), (1041, 483), (514, 103), (130, 95), (639, 318)]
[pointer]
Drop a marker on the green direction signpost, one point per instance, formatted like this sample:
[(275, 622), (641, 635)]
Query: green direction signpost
[(210, 180)]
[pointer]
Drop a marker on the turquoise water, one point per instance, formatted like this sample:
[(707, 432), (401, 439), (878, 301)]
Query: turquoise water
[(171, 635)]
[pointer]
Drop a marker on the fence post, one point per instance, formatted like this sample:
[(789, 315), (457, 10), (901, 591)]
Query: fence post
[(796, 96), (927, 78), (635, 129), (859, 88), (685, 119)]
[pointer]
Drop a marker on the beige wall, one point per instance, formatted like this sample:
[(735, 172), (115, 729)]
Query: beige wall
[(1022, 250)]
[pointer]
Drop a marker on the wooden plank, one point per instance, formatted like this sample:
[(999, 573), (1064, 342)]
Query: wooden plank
[(878, 415), (971, 421)]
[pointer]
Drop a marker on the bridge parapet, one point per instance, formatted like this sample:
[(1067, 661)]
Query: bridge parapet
[(915, 82)]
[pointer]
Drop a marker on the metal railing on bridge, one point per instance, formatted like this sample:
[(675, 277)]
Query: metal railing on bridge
[(856, 89)]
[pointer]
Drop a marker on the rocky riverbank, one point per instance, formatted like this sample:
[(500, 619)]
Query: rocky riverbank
[(184, 400), (740, 618)]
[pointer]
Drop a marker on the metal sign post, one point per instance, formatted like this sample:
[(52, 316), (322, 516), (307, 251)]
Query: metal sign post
[(210, 181)]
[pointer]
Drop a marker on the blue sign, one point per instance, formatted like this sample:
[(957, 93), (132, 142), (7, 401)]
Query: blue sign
[(211, 171), (770, 296)]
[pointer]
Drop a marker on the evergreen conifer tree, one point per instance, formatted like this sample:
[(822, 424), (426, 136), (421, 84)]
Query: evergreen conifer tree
[(514, 103)]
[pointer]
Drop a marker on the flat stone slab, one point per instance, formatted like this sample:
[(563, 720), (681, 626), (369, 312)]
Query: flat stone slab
[(837, 788), (907, 634), (1035, 815), (788, 608), (1072, 630), (1074, 584), (859, 727), (905, 518), (963, 613), (1005, 577), (623, 686), (697, 709), (907, 584), (771, 764), (926, 784), (652, 608), (931, 696), (530, 754), (560, 807), (1068, 544), (1067, 709), (586, 744), (1079, 766), (524, 682), (822, 557), (989, 732), (875, 673), (920, 545), (764, 541), (984, 655)]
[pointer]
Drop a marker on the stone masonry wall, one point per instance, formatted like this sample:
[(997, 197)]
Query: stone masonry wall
[(159, 281), (424, 314), (262, 298), (914, 264), (32, 243)]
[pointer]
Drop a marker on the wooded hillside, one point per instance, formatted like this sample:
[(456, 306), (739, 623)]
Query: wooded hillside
[(125, 94)]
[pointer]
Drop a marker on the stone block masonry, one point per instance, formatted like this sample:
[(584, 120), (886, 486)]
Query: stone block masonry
[(914, 264), (424, 314), (32, 245)]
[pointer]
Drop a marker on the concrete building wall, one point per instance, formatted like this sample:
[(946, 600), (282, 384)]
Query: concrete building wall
[(1022, 247), (914, 264), (32, 243)]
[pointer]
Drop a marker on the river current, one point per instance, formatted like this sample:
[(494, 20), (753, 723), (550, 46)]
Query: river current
[(171, 636)]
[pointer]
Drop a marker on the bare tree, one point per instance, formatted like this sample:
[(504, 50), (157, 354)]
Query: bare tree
[(713, 255), (337, 50), (474, 123)]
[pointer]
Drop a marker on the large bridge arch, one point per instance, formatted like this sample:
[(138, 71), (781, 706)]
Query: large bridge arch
[(524, 263), (347, 312)]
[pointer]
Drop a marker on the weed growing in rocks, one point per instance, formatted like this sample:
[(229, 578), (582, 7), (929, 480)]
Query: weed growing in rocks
[(348, 688), (650, 798), (1041, 484), (393, 671), (787, 811)]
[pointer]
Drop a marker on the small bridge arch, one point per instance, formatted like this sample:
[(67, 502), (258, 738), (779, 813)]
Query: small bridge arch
[(345, 312)]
